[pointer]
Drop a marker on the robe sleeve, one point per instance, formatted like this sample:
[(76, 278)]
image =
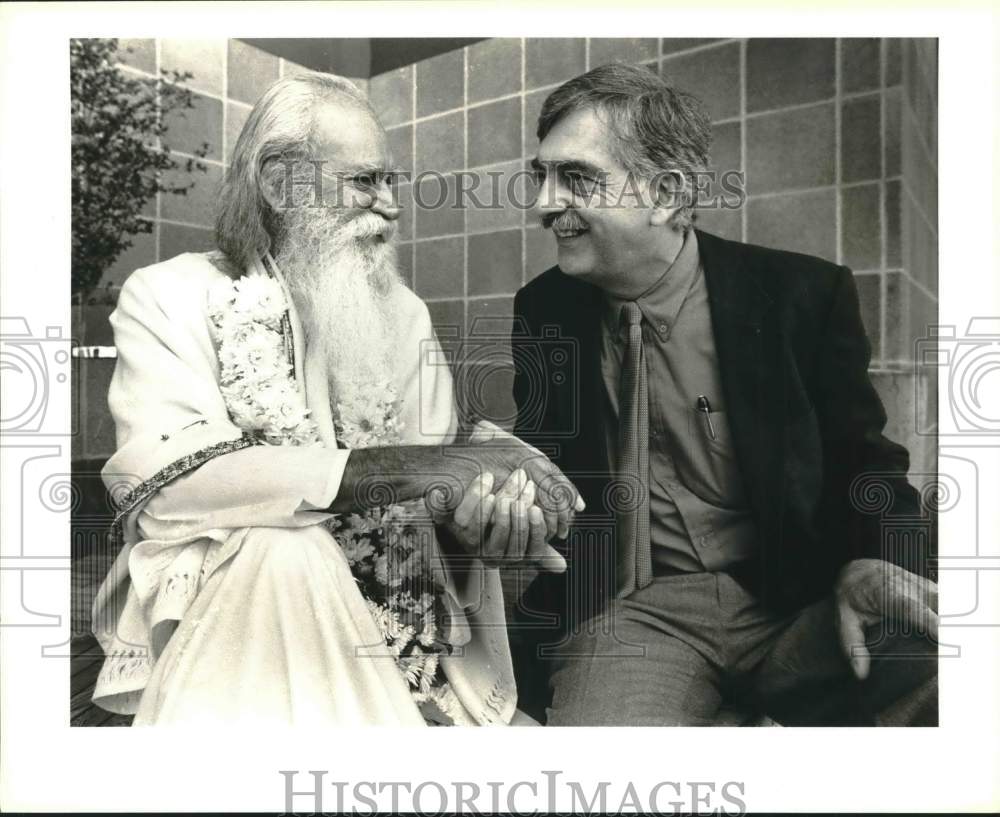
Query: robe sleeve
[(166, 403)]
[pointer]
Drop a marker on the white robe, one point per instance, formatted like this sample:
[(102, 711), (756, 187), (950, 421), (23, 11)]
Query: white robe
[(229, 603)]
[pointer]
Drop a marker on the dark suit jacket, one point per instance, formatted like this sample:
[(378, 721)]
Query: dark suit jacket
[(806, 425)]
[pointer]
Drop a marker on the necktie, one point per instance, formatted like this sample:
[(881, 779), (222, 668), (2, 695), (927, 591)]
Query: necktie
[(632, 522)]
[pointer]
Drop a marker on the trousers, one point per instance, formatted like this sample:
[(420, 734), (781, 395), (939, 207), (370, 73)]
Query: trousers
[(687, 648)]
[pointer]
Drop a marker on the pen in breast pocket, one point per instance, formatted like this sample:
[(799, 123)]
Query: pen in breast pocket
[(706, 408)]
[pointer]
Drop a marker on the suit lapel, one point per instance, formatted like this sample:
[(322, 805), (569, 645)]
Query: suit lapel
[(749, 346)]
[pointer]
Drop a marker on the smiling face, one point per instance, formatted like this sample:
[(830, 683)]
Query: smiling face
[(608, 228)]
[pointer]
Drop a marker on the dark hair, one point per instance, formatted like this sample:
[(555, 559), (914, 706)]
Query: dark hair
[(657, 129)]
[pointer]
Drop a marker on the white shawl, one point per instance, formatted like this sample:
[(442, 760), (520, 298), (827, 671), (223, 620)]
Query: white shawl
[(167, 405)]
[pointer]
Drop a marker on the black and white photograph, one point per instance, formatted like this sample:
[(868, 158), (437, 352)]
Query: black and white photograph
[(535, 380)]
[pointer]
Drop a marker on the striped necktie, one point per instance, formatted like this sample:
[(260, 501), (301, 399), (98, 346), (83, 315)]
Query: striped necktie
[(634, 565)]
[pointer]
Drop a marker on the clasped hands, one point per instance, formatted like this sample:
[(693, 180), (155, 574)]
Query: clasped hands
[(515, 500)]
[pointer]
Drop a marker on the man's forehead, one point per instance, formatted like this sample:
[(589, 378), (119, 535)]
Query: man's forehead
[(582, 135), (348, 134)]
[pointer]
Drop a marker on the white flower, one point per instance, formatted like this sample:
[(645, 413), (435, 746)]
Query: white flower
[(259, 299)]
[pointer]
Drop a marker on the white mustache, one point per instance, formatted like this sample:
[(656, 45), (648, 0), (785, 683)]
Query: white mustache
[(368, 225)]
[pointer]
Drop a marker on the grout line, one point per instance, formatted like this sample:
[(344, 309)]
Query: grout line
[(906, 188), (838, 223), (744, 230), (915, 126), (586, 54), (883, 227), (176, 223), (694, 49), (465, 161), (413, 154), (524, 124), (205, 159)]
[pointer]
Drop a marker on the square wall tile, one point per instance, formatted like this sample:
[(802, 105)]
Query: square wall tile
[(724, 222), (495, 263), (711, 74), (893, 252), (790, 149), (540, 252), (893, 144), (489, 323), (788, 71), (860, 64), (861, 227), (440, 83), (861, 139), (801, 222), (439, 269), (727, 149), (236, 117), (176, 239), (495, 132), (621, 49), (250, 71), (549, 60), (188, 128), (440, 143), (448, 318), (501, 198), (485, 392), (142, 253), (494, 68), (391, 95), (204, 59), (870, 300), (437, 208), (138, 53), (197, 205), (401, 147)]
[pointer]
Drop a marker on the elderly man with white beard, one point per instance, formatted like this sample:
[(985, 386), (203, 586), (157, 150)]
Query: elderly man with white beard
[(304, 541)]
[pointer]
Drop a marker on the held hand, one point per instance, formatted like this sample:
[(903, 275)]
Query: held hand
[(556, 497), (501, 528), (869, 591)]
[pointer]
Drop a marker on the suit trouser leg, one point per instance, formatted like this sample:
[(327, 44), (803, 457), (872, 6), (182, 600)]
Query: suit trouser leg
[(670, 653), (801, 676), (643, 662)]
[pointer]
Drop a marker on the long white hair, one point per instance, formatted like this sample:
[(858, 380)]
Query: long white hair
[(280, 127)]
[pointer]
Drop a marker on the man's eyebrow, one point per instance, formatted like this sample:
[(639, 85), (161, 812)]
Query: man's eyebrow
[(578, 165)]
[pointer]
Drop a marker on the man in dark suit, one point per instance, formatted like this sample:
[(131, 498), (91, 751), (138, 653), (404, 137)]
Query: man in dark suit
[(711, 401)]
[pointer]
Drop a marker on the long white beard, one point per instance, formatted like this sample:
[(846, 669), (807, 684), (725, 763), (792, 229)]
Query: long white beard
[(344, 289)]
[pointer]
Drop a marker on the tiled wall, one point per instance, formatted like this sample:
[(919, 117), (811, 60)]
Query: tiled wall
[(835, 137)]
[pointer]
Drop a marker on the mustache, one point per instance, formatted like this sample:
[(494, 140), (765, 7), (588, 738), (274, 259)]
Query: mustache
[(567, 220), (369, 225)]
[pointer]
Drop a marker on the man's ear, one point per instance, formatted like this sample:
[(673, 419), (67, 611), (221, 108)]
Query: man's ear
[(668, 191), (272, 185)]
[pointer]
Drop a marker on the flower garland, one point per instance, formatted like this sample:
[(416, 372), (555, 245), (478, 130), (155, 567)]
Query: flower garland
[(386, 547)]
